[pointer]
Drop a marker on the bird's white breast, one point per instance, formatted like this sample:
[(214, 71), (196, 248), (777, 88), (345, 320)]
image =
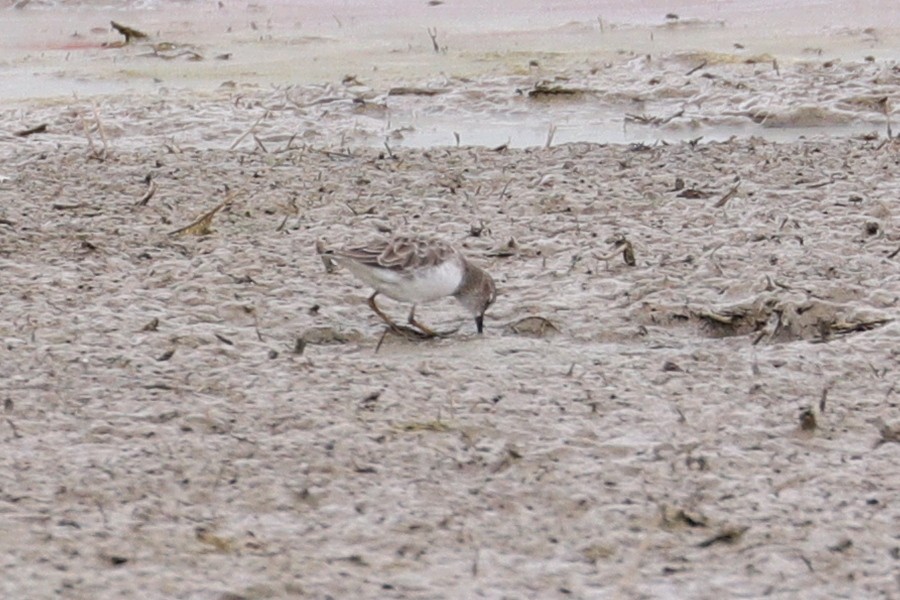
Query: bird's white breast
[(417, 286)]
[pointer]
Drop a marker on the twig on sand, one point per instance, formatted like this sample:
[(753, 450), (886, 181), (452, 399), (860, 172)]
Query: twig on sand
[(333, 154), (381, 339), (550, 133), (728, 196), (886, 109), (819, 184), (42, 128), (503, 191), (697, 68), (415, 91), (100, 129), (728, 535), (388, 147), (544, 90), (129, 32), (15, 430), (260, 144), (203, 225), (146, 197), (289, 144), (433, 35), (654, 121), (241, 137)]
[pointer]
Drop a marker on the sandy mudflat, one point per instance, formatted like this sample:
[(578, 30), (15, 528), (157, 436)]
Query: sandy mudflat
[(206, 416)]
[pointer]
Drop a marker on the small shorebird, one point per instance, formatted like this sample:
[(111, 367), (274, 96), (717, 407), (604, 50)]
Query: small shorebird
[(416, 270)]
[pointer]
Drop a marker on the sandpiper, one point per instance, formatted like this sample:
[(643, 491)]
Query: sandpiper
[(416, 270)]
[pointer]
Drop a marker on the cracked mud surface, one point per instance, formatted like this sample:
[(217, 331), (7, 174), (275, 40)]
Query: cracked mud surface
[(162, 437)]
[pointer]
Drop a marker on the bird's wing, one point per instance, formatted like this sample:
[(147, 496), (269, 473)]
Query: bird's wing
[(400, 253)]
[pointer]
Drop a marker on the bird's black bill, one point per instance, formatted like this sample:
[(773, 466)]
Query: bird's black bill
[(479, 323)]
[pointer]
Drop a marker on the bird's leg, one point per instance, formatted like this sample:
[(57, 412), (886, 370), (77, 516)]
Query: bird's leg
[(426, 330), (422, 333), (383, 316)]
